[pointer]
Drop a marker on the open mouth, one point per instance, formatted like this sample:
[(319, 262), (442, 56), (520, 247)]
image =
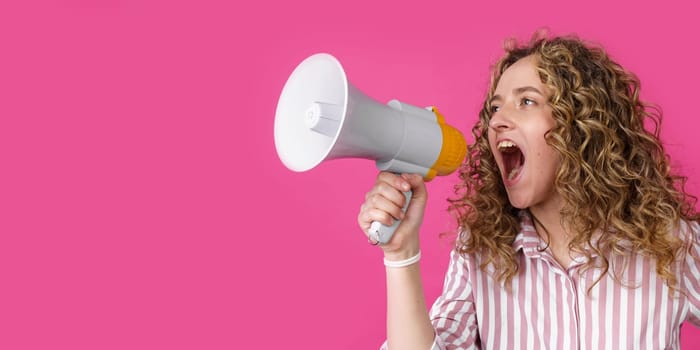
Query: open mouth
[(513, 159)]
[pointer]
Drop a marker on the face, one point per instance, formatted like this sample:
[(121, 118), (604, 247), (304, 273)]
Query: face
[(520, 118)]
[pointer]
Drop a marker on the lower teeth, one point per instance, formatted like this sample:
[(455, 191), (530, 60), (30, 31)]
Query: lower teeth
[(513, 173)]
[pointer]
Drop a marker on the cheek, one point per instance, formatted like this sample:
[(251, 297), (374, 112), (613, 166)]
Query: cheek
[(548, 158), (551, 161), (491, 137)]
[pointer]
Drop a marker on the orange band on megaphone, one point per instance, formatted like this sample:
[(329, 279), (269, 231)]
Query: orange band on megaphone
[(453, 151)]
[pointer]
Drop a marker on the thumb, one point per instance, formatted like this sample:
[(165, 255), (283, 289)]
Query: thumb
[(417, 183)]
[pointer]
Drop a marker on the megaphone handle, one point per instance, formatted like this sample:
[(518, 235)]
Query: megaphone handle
[(382, 233)]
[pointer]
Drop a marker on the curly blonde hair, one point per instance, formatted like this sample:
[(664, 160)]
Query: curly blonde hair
[(614, 177)]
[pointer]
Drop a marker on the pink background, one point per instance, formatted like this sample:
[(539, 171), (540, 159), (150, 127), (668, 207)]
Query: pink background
[(143, 206)]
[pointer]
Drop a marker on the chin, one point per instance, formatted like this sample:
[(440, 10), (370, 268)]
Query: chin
[(519, 206), (518, 203)]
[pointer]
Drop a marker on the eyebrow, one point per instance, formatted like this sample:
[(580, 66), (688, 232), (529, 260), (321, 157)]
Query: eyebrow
[(518, 91)]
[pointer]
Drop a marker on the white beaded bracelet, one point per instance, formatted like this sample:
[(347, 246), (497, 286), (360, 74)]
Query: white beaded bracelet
[(402, 263)]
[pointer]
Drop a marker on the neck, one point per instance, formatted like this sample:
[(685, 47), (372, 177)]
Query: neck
[(553, 230), (549, 224)]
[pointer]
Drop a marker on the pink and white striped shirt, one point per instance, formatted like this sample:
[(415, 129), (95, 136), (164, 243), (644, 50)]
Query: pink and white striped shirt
[(549, 307)]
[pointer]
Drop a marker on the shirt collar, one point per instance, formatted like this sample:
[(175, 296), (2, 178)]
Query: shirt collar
[(533, 246), (527, 238)]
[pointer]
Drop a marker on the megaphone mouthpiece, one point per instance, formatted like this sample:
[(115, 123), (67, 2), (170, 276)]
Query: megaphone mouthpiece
[(452, 152)]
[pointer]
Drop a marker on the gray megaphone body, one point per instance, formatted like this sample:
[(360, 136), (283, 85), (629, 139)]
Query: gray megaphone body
[(321, 116)]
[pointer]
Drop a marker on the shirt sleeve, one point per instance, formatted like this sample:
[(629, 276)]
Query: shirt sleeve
[(437, 345), (453, 314), (691, 272)]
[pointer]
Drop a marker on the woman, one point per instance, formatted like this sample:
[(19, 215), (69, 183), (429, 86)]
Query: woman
[(575, 234)]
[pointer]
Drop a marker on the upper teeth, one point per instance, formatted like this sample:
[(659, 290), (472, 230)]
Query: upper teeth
[(505, 144)]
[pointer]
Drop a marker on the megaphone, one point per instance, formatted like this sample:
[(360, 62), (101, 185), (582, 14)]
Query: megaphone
[(321, 116)]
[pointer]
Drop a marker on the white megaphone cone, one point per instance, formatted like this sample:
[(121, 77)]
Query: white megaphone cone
[(321, 116)]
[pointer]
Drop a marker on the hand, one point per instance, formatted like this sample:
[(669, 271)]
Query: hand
[(383, 203)]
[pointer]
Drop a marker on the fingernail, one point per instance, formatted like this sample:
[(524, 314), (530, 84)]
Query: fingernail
[(405, 186)]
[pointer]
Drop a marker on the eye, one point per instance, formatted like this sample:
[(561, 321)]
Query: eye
[(495, 109), (527, 102)]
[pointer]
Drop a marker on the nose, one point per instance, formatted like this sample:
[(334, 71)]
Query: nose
[(501, 121)]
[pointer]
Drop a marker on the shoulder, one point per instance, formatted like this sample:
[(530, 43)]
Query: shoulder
[(688, 232), (475, 249), (693, 227), (465, 253), (459, 258)]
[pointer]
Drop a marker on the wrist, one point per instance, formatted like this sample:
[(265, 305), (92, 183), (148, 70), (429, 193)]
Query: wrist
[(402, 253), (402, 263)]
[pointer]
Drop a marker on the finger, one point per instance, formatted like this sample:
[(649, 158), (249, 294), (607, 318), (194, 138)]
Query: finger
[(396, 181), (417, 185), (390, 206), (372, 215), (389, 192)]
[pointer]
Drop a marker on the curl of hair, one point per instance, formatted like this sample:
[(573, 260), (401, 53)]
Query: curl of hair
[(615, 176)]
